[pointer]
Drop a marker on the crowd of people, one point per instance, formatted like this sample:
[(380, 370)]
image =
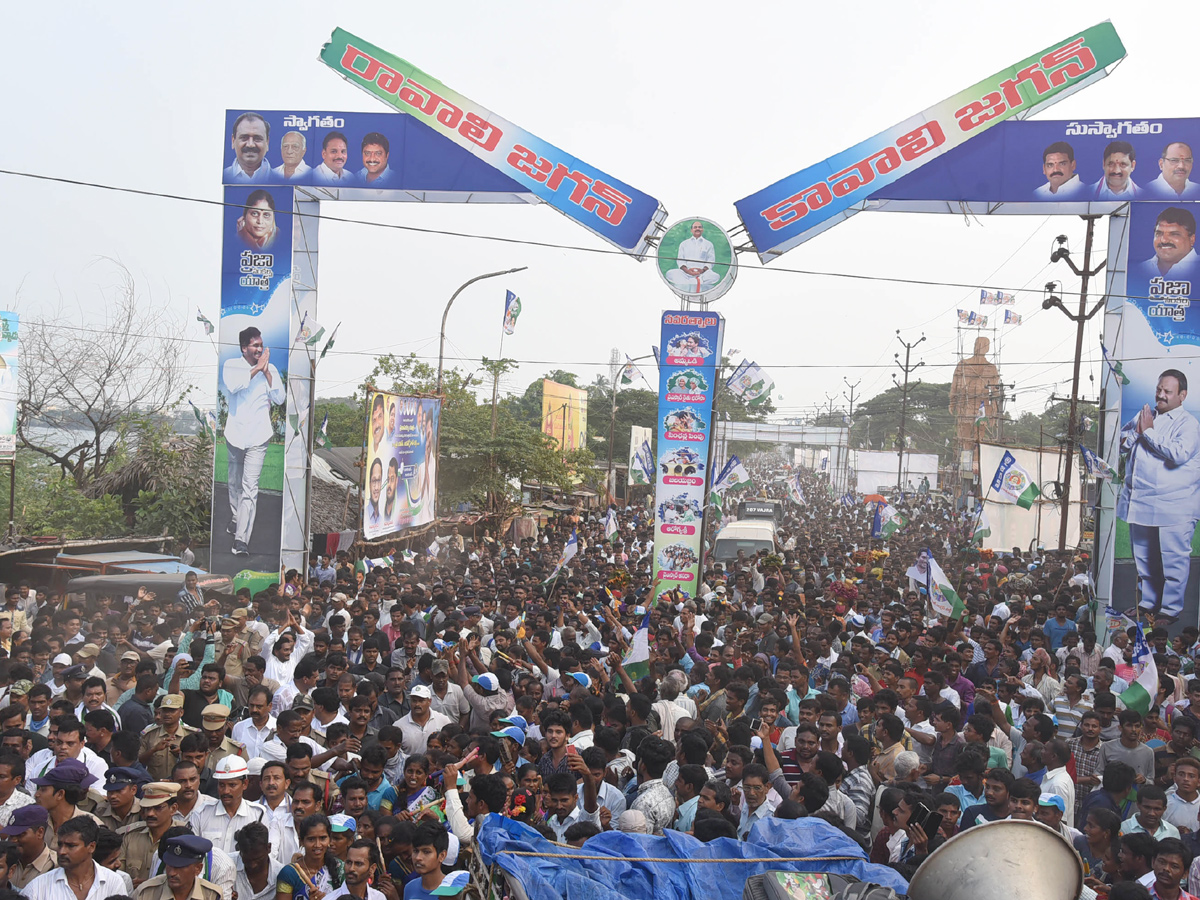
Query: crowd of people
[(350, 730)]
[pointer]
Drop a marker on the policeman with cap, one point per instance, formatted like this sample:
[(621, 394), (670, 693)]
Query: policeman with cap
[(215, 719), (122, 785), (139, 838), (28, 831), (159, 749), (183, 859), (232, 648)]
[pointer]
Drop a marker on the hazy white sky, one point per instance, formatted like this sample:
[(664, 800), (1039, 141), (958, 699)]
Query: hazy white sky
[(698, 104)]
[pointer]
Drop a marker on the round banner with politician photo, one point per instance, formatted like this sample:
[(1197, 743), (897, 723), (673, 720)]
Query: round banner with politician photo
[(695, 259)]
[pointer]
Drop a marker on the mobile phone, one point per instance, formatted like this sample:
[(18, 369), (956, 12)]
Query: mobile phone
[(755, 724), (571, 750), (929, 820)]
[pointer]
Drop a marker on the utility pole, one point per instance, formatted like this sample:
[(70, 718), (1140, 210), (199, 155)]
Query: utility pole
[(614, 372), (849, 425), (1080, 318), (997, 396), (907, 368)]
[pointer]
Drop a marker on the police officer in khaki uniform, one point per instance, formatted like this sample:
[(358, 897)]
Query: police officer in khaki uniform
[(183, 860), (160, 742), (140, 838), (253, 636), (28, 831), (121, 805), (232, 648), (216, 720)]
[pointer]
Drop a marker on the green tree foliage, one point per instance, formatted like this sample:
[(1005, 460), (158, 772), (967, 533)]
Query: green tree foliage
[(346, 417), (929, 424)]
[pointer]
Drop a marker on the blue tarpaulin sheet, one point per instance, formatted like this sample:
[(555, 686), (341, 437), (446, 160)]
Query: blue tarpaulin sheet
[(624, 878)]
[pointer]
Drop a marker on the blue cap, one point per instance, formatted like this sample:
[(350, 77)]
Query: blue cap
[(68, 773), (185, 850), (583, 679), (520, 722), (123, 776), (512, 732)]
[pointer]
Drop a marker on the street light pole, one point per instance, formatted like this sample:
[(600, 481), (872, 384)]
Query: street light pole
[(453, 297), (1080, 318)]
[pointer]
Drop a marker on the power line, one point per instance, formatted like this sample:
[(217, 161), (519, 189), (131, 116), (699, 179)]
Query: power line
[(549, 245)]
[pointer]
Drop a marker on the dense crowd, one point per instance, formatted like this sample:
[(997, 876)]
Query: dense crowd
[(349, 730)]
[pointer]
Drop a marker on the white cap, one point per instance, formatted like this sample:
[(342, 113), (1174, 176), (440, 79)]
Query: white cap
[(231, 767), (63, 659), (255, 766)]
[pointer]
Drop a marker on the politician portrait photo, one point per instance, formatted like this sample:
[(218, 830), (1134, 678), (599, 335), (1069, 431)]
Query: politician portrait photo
[(251, 139), (1160, 496), (293, 167), (1174, 246), (1058, 168), (1175, 169), (256, 226), (335, 151), (695, 259), (1119, 162), (252, 386), (375, 172)]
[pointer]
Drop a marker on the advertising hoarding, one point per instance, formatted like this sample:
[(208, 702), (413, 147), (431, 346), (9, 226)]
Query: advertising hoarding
[(10, 384), (691, 352), (1158, 445), (801, 206), (564, 414), (696, 260), (1062, 166), (254, 338), (402, 460), (617, 212)]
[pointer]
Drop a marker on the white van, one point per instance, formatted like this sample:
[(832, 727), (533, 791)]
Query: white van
[(750, 535)]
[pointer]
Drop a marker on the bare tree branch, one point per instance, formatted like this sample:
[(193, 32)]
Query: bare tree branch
[(88, 372)]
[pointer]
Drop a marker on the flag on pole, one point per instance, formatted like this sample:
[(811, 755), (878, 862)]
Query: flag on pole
[(981, 416), (996, 298), (1013, 484), (750, 383), (209, 328), (329, 344), (714, 500), (637, 661), (1088, 423), (983, 527), (610, 524), (512, 309), (323, 436), (208, 421), (887, 521), (629, 373), (1011, 318), (568, 554), (310, 331), (1114, 367), (795, 491), (942, 596), (848, 499), (1096, 467), (1142, 692), (433, 549), (654, 350), (972, 319), (733, 477)]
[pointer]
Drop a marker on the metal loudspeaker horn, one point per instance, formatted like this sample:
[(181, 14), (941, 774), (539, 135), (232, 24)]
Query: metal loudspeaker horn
[(1000, 861)]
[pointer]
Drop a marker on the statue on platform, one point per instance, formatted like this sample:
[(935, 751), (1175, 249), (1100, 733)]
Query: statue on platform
[(976, 381)]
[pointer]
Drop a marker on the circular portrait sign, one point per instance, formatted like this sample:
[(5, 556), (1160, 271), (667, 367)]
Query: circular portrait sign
[(695, 259)]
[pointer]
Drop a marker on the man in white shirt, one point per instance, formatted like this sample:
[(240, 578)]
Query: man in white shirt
[(1119, 162), (1055, 757), (259, 728), (1175, 164), (252, 386), (256, 864), (1174, 247), (76, 867), (1058, 165), (251, 139), (292, 148), (221, 821), (277, 806), (283, 650), (1159, 496), (421, 721), (332, 170), (696, 256), (70, 745), (375, 172)]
